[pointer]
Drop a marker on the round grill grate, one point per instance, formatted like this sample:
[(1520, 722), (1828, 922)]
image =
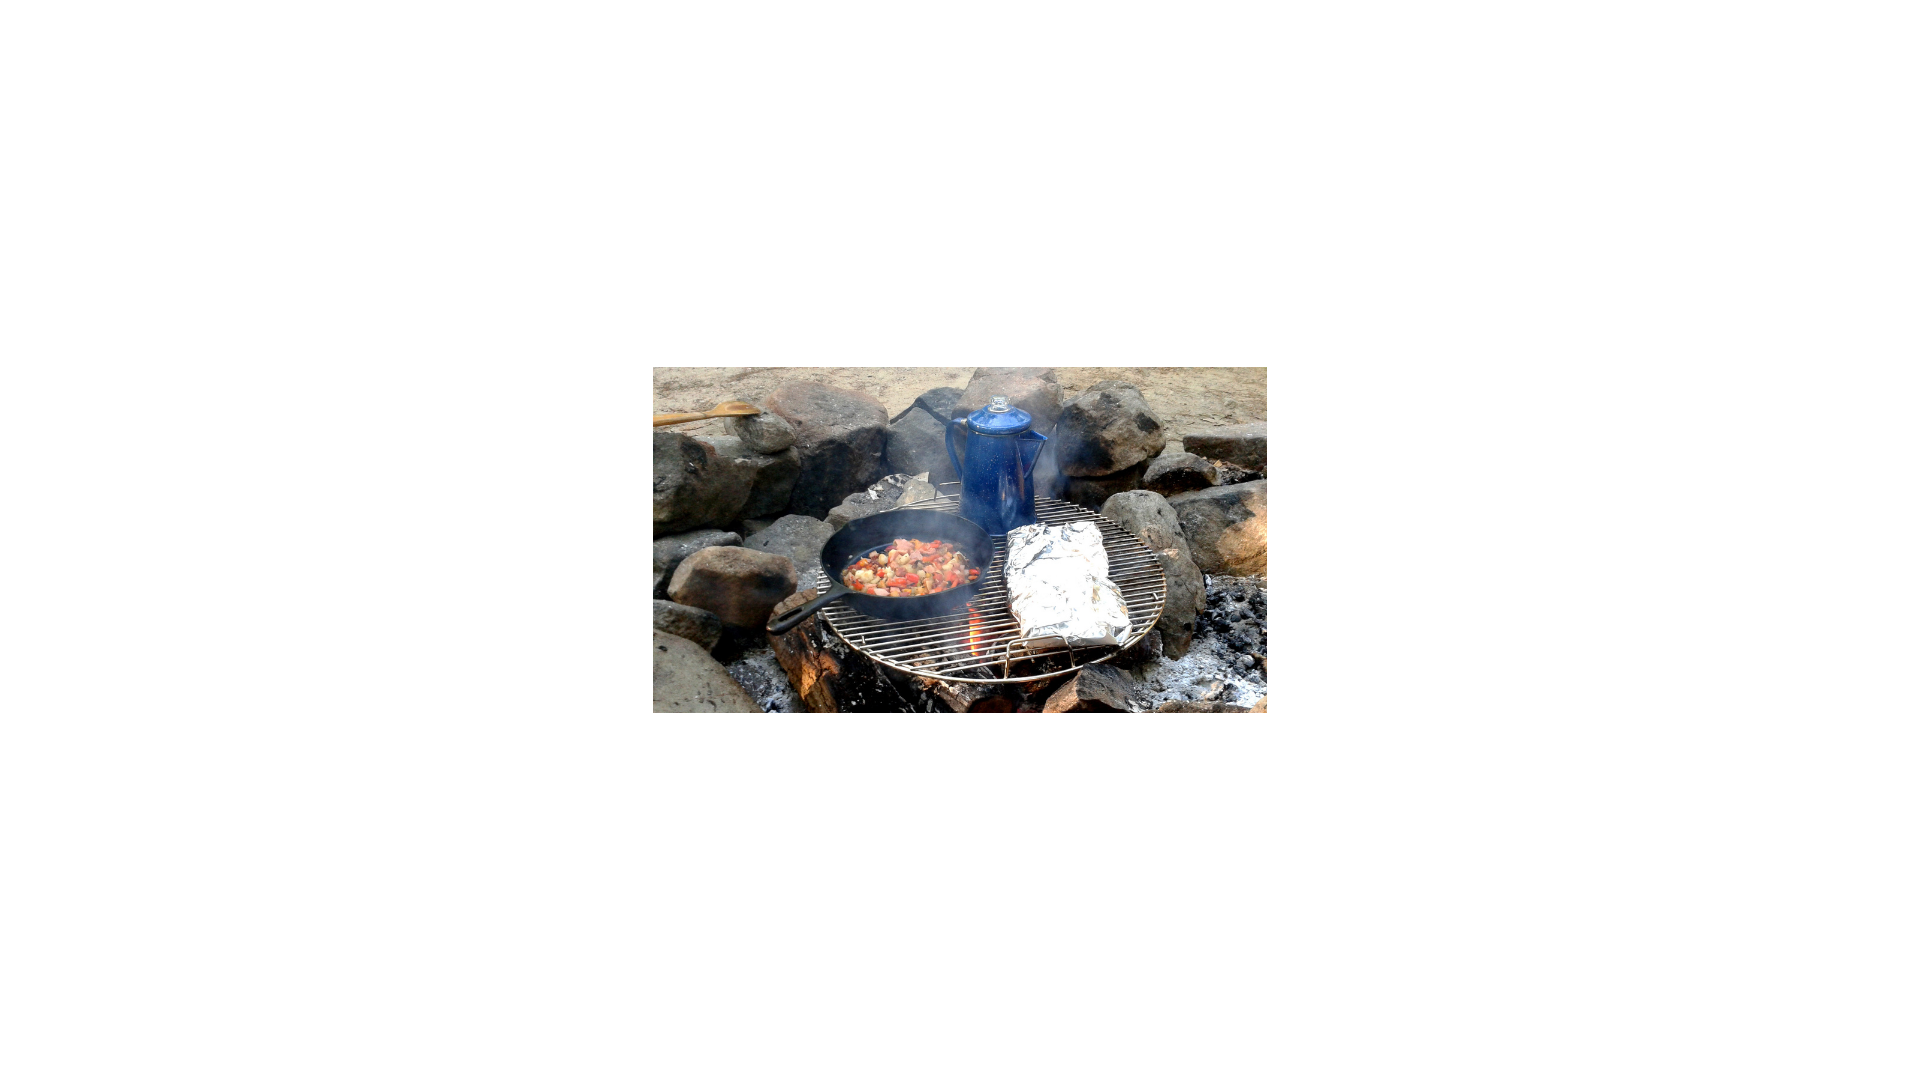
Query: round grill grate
[(979, 644)]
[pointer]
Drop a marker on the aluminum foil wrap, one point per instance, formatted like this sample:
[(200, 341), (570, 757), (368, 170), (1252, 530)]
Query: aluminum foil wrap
[(1058, 589)]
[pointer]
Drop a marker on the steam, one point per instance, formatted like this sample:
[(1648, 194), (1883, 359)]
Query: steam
[(1048, 482)]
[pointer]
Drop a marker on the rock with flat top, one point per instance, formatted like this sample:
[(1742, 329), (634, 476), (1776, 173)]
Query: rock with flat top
[(686, 679), (1241, 444), (695, 624)]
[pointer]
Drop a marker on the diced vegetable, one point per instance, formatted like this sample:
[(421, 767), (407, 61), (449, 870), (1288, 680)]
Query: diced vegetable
[(910, 567)]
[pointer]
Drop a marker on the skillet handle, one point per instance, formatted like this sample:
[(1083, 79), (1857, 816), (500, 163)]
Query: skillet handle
[(783, 623)]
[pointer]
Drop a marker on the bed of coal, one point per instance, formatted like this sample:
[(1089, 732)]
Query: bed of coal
[(1227, 660)]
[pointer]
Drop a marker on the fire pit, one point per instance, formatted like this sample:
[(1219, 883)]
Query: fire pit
[(981, 644)]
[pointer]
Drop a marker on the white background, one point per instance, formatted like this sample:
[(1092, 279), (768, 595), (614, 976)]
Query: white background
[(324, 740)]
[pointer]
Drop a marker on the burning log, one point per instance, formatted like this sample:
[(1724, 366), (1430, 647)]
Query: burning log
[(829, 676), (972, 697)]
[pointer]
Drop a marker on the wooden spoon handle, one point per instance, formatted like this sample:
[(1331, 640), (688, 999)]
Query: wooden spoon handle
[(663, 419)]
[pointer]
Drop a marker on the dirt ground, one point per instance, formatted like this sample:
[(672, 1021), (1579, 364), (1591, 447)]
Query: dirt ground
[(1184, 398)]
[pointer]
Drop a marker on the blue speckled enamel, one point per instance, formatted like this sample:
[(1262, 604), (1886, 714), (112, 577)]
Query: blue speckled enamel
[(996, 472)]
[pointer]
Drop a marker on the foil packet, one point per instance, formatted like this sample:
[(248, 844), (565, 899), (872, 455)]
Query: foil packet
[(1058, 589)]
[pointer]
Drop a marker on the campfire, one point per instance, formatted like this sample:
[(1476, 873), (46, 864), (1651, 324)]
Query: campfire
[(1184, 552)]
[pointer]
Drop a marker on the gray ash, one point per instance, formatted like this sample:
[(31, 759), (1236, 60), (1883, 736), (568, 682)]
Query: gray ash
[(760, 672)]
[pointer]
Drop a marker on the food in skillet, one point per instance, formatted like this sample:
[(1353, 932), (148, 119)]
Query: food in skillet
[(910, 568)]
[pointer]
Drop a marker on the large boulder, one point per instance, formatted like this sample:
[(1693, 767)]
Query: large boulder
[(738, 584), (799, 539), (1171, 473), (917, 443), (692, 484), (769, 477), (1242, 444), (1106, 429), (1226, 527), (1094, 688), (697, 625), (670, 551), (1035, 391), (1147, 515), (1092, 491), (763, 433), (887, 493), (841, 437), (686, 679)]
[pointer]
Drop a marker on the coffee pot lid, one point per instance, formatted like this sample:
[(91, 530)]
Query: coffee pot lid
[(999, 418)]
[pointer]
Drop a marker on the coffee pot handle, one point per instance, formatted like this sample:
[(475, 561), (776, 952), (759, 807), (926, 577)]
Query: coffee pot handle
[(955, 458), (1034, 436)]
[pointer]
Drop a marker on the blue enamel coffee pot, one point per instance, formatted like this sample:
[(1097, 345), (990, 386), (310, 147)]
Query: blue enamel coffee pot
[(996, 475)]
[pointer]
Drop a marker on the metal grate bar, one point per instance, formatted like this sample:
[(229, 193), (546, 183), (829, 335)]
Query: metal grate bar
[(985, 636)]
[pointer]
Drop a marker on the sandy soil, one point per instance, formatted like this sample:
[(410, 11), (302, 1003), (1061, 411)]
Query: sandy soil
[(1184, 398)]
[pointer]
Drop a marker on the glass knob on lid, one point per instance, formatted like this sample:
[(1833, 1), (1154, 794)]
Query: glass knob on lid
[(998, 403)]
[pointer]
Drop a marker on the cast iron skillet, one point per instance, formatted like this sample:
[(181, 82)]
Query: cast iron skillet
[(847, 546)]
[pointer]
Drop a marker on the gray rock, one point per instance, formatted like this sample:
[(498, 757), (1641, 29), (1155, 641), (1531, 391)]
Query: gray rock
[(697, 625), (1147, 515), (1226, 527), (753, 525), (670, 551), (799, 538), (740, 585), (765, 433), (1094, 688), (1107, 429), (1092, 491), (693, 485), (686, 679), (941, 403), (1242, 444), (1035, 391), (770, 477), (1203, 707), (917, 443), (841, 438), (886, 493), (1229, 473), (1171, 474)]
